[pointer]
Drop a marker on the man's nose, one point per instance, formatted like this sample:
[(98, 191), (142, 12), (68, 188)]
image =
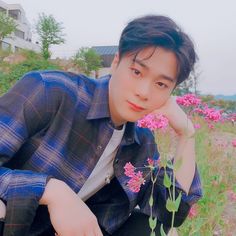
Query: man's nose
[(143, 89)]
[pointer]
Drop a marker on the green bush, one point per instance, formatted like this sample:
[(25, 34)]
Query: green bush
[(30, 54), (18, 70)]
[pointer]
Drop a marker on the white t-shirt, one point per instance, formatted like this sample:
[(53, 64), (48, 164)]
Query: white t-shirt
[(103, 171)]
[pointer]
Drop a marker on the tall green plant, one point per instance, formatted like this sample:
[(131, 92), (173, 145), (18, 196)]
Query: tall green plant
[(50, 33)]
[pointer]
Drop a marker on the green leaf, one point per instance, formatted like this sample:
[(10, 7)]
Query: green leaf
[(170, 165), (152, 222), (151, 201), (162, 231), (173, 206), (167, 180), (170, 205), (177, 201)]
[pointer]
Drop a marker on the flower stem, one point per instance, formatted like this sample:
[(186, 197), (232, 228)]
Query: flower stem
[(173, 212)]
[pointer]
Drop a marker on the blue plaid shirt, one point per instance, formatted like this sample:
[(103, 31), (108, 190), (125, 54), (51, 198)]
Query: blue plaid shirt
[(57, 124)]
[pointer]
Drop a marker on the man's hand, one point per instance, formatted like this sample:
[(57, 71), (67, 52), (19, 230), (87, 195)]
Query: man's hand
[(178, 119), (2, 210), (69, 215)]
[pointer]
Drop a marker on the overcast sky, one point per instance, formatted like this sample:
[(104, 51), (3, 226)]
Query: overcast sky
[(210, 23)]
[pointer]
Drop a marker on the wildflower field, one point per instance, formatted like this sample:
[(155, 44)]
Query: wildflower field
[(215, 213)]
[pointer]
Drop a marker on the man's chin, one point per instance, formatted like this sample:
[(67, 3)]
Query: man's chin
[(133, 118)]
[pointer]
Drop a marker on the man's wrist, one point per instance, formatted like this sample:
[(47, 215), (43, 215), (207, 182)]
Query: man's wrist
[(188, 130), (52, 189), (56, 191)]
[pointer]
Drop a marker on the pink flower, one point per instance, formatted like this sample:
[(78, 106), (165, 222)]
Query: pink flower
[(197, 126), (198, 110), (232, 195), (211, 114), (210, 126), (150, 162), (234, 143), (193, 212), (153, 121), (136, 181), (188, 100), (129, 170), (153, 163), (232, 117)]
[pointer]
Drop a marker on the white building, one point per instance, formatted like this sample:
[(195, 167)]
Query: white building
[(22, 37)]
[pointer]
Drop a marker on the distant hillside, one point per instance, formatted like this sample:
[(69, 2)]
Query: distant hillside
[(224, 97)]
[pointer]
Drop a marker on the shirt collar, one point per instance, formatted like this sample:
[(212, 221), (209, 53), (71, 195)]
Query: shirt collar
[(130, 134), (99, 109)]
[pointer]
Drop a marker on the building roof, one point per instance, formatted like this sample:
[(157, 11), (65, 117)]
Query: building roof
[(105, 50)]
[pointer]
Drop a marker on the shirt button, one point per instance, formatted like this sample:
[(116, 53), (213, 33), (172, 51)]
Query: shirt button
[(116, 161), (81, 178), (129, 140), (99, 147)]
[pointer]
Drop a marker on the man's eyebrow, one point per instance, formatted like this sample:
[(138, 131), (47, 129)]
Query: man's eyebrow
[(140, 63), (169, 78), (172, 80)]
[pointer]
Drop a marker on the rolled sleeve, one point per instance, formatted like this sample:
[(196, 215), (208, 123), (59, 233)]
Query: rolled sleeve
[(22, 192), (21, 183)]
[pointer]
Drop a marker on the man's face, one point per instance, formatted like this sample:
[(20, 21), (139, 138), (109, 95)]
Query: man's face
[(137, 87)]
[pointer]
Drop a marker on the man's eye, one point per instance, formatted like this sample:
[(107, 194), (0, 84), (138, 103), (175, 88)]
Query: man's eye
[(136, 72), (162, 85)]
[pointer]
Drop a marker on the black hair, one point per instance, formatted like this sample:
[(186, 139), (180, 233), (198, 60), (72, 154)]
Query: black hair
[(159, 31)]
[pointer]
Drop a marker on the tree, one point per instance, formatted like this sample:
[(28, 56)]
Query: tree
[(189, 85), (50, 33), (87, 60), (7, 25)]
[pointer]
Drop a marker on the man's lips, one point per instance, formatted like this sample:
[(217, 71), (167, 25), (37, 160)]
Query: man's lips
[(135, 107)]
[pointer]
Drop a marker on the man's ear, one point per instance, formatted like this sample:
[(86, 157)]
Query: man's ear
[(115, 61)]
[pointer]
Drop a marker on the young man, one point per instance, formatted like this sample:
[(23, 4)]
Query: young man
[(65, 140)]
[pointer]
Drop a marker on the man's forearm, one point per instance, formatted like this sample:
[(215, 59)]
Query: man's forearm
[(185, 153)]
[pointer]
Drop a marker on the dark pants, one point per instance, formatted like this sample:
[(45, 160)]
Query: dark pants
[(1, 227), (137, 224)]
